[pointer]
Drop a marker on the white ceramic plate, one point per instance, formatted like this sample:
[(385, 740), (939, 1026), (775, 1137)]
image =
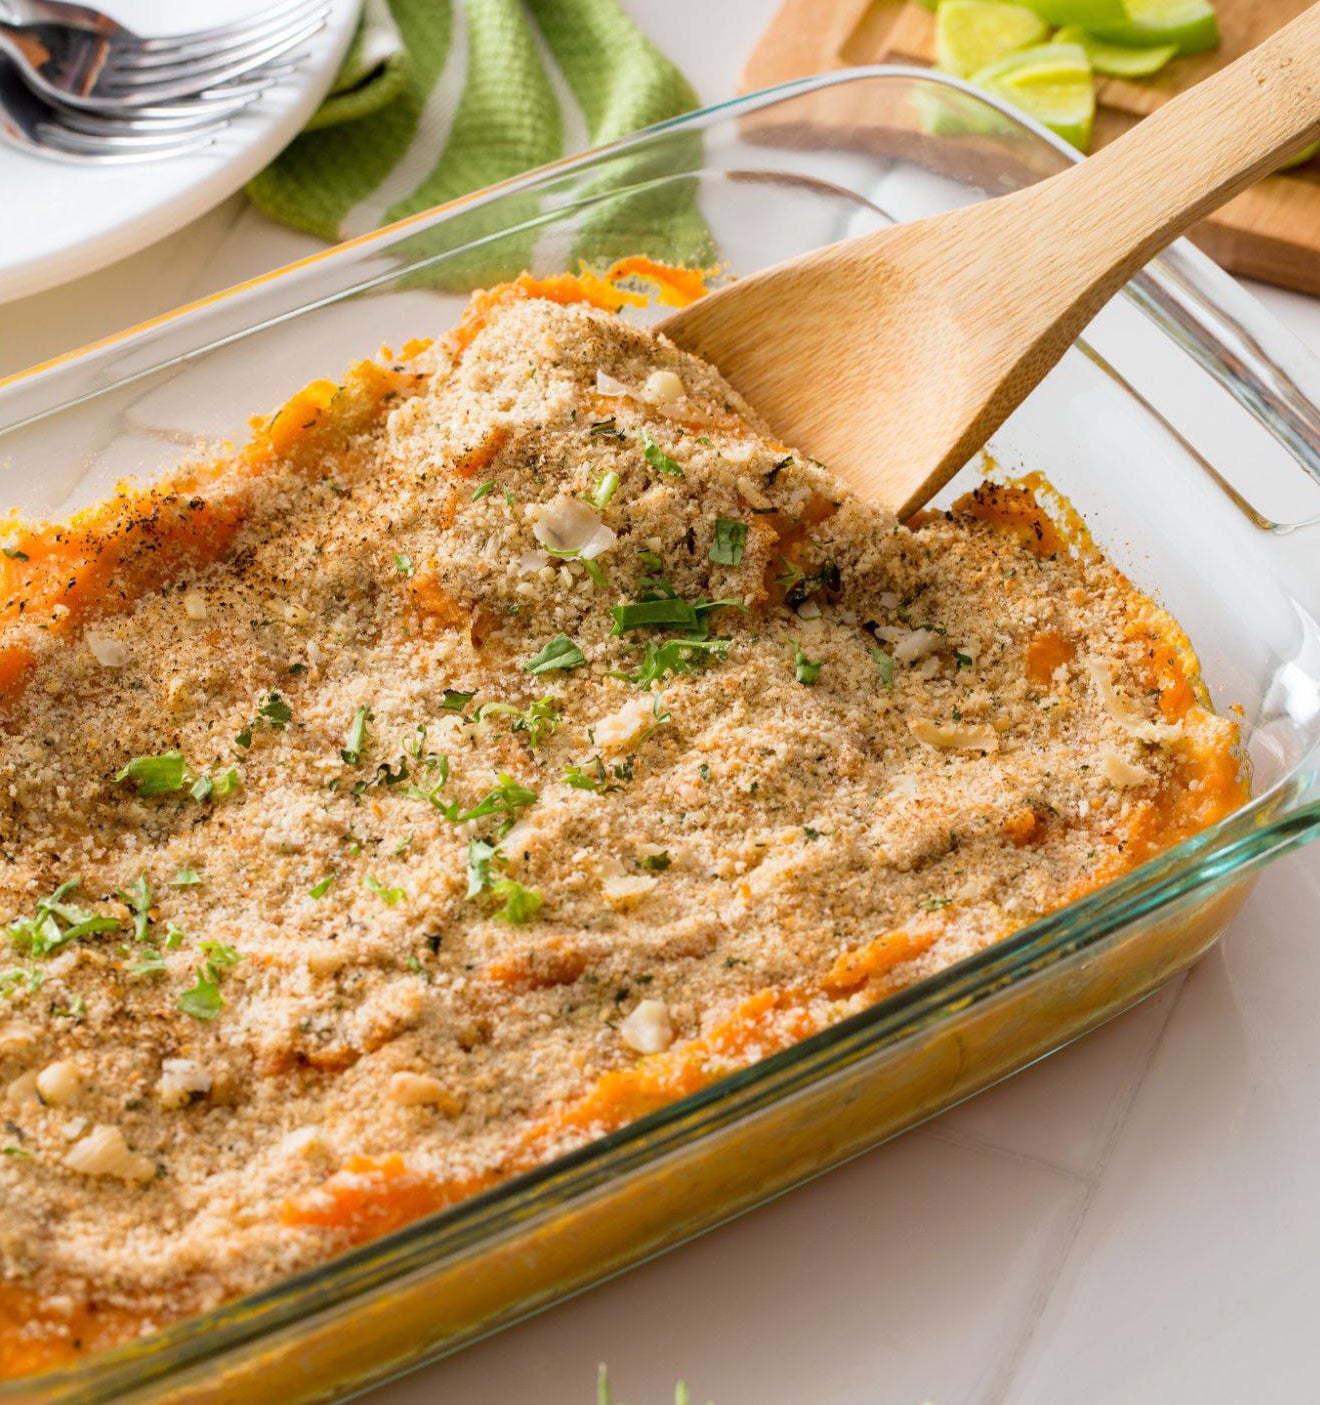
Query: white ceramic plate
[(61, 221)]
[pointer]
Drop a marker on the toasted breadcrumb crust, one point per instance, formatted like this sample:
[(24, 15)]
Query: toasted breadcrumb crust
[(886, 770)]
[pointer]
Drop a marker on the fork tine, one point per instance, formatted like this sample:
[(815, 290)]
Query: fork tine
[(96, 125), (131, 89), (221, 33), (180, 48), (118, 70), (53, 136)]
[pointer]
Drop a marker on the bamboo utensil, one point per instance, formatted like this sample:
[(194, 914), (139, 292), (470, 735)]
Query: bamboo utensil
[(894, 356)]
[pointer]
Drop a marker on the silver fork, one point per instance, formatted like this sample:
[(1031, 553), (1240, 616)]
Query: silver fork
[(68, 135), (115, 72)]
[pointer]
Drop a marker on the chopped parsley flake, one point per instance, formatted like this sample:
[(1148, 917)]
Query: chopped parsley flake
[(483, 490), (658, 459), (203, 1000), (806, 670), (320, 888), (560, 652), (55, 923), (19, 1151), (520, 904), (276, 711), (604, 490), (403, 564), (454, 701), (730, 542), (186, 878), (538, 721), (155, 775), (656, 863), (886, 666), (390, 896), (15, 554), (934, 904), (138, 898), (357, 736)]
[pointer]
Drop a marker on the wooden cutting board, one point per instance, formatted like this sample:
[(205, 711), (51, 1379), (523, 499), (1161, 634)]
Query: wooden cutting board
[(1271, 232)]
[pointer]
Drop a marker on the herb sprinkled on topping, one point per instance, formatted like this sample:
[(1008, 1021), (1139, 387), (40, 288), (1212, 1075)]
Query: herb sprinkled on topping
[(480, 856), (656, 863), (806, 670), (15, 554), (606, 429), (55, 923), (155, 775), (203, 1000), (604, 491), (320, 888), (730, 542), (403, 564), (885, 664), (454, 701), (390, 896), (537, 721), (357, 737), (276, 711), (560, 652), (658, 459), (520, 904), (138, 898), (483, 490)]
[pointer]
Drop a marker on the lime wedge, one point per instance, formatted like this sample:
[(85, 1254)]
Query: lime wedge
[(1118, 60), (1189, 25), (972, 34), (1050, 82)]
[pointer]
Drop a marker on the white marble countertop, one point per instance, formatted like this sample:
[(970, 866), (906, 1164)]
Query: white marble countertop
[(1133, 1221)]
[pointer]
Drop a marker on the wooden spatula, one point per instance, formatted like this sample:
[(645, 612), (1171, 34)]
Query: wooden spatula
[(894, 356)]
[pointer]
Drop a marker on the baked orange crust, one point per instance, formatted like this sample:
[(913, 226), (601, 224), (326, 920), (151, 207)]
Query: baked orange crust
[(58, 576)]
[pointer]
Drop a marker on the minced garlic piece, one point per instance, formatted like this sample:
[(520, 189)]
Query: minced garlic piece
[(182, 1081), (104, 1152), (954, 736), (421, 1090), (647, 1028), (59, 1083)]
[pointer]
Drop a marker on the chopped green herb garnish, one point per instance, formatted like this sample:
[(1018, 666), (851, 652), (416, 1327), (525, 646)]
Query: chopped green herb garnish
[(403, 564), (357, 736), (560, 652), (186, 878), (509, 499), (607, 429), (77, 1010), (591, 776), (886, 666), (520, 904), (155, 775), (654, 614), (390, 896), (244, 738), (658, 459), (220, 957), (454, 701), (148, 961), (21, 1152), (276, 711), (604, 490), (538, 721), (138, 898), (966, 661), (807, 670), (322, 886), (597, 573), (55, 923), (656, 863), (203, 1000), (730, 542), (676, 656), (15, 554), (174, 937), (507, 798), (483, 490), (227, 782), (703, 771)]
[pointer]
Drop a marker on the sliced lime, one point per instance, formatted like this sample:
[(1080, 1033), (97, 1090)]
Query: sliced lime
[(1118, 60), (971, 34), (1050, 82), (1189, 25), (1085, 14)]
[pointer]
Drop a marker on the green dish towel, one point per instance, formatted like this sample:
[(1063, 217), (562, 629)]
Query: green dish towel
[(373, 152)]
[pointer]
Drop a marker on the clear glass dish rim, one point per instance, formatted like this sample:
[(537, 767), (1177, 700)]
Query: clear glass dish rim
[(1271, 825)]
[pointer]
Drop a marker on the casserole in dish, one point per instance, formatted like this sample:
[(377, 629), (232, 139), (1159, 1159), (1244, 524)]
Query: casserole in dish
[(440, 1281)]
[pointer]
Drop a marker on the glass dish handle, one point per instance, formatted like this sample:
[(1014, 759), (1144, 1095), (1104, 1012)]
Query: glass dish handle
[(1262, 365)]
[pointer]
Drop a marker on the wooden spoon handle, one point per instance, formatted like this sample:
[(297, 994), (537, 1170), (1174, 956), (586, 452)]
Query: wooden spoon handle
[(1098, 223)]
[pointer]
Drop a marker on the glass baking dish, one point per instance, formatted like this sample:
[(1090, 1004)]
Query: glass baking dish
[(1186, 431)]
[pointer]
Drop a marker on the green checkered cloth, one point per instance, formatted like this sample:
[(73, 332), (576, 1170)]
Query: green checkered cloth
[(375, 152)]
